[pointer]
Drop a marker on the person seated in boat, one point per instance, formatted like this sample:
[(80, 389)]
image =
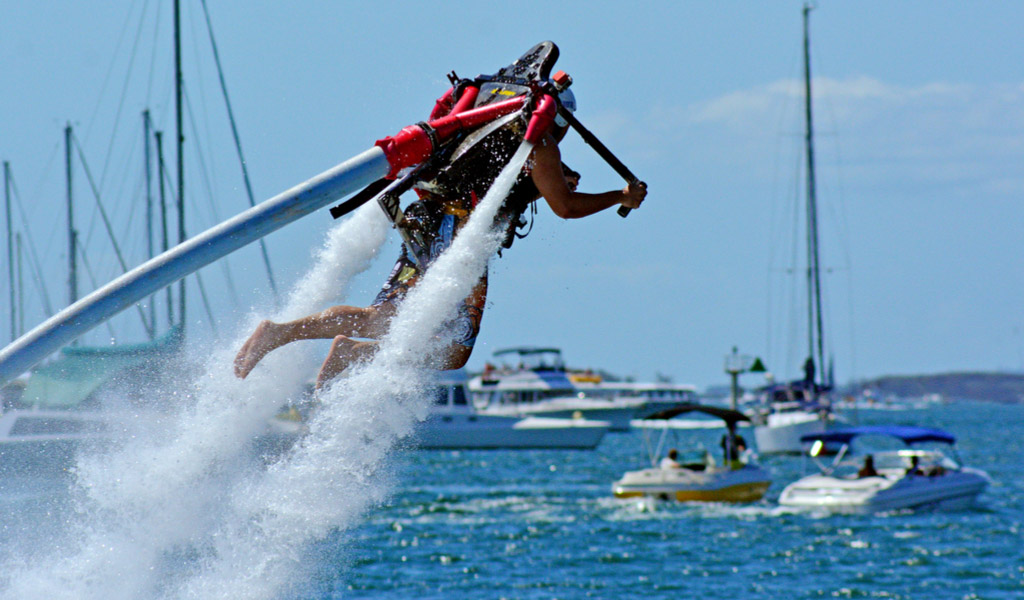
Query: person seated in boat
[(355, 330), (868, 470), (671, 461), (915, 466), (733, 446)]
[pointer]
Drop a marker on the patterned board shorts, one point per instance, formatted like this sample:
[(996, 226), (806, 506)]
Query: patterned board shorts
[(464, 328)]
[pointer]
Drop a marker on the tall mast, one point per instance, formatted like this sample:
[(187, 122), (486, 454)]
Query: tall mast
[(165, 242), (816, 344), (72, 234), (146, 130), (181, 144), (21, 289), (10, 248)]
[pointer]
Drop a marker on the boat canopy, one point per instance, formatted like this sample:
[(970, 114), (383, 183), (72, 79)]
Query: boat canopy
[(908, 433), (71, 379), (731, 417), (536, 358)]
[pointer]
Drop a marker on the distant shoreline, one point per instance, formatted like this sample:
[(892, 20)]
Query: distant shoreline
[(1006, 388)]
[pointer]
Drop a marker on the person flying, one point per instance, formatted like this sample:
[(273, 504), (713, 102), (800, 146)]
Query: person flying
[(355, 330)]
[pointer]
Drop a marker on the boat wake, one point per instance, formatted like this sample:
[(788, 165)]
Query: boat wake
[(186, 512)]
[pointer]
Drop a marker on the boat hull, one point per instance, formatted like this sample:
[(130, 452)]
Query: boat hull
[(747, 484), (781, 433), (618, 417), (480, 432), (956, 490), (46, 441)]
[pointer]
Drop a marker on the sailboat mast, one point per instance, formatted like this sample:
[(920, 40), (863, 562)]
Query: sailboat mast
[(181, 144), (21, 289), (147, 128), (10, 247), (815, 335), (165, 237), (72, 234)]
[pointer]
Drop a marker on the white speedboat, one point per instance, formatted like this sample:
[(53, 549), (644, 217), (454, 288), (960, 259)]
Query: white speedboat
[(454, 423), (537, 384), (883, 481), (697, 476)]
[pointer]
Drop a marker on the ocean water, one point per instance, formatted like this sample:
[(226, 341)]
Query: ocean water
[(179, 506), (180, 509), (543, 524)]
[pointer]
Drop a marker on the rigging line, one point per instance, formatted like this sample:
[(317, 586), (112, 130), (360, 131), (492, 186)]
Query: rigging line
[(152, 59), (135, 242), (845, 242), (209, 191), (120, 194), (46, 177), (34, 257), (110, 72), (238, 146), (206, 305), (795, 299), (124, 95), (106, 223), (92, 282), (779, 216), (99, 204), (200, 86)]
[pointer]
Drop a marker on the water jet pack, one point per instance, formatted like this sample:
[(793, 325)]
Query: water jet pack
[(524, 91)]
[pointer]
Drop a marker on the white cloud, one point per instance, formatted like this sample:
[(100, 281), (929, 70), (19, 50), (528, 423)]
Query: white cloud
[(966, 138), (861, 97)]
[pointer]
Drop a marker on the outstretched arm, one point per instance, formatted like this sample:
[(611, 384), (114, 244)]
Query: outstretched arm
[(568, 203)]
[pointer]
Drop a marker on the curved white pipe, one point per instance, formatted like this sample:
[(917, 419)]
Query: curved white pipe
[(188, 257)]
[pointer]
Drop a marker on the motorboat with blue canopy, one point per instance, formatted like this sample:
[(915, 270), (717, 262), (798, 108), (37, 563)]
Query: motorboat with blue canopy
[(909, 478), (910, 434)]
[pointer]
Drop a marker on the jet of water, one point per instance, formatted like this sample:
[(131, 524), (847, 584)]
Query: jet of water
[(186, 515)]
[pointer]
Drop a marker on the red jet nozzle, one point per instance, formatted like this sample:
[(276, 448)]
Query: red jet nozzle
[(415, 143), (543, 117)]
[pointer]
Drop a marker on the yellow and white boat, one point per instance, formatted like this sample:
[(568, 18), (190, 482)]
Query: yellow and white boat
[(697, 477)]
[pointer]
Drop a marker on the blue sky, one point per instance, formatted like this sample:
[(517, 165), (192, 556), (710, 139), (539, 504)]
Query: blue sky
[(919, 108)]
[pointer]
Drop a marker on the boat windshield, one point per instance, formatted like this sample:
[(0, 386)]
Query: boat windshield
[(439, 394), (903, 459)]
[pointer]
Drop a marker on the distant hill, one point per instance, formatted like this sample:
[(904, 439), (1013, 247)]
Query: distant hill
[(994, 387)]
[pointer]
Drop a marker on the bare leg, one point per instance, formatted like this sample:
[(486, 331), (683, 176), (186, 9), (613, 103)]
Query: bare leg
[(369, 322), (344, 351)]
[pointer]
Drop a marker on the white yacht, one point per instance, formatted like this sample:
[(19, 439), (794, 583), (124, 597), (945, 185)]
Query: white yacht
[(455, 423), (911, 478), (656, 396), (790, 411), (537, 384), (696, 476)]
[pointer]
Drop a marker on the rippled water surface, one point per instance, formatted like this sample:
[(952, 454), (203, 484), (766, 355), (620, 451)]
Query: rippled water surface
[(543, 524)]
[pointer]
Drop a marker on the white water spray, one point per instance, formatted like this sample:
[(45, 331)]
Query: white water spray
[(186, 516)]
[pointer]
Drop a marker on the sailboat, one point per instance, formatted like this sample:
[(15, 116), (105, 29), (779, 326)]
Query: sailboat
[(797, 408), (84, 394)]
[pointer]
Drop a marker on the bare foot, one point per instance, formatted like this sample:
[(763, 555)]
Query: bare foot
[(344, 351), (267, 336)]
